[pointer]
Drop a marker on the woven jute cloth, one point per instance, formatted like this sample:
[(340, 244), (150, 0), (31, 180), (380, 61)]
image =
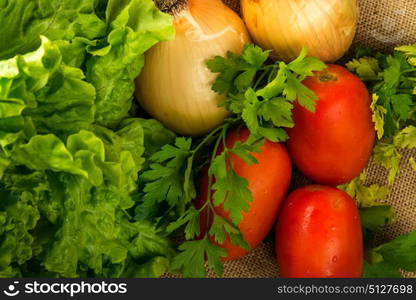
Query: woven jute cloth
[(383, 25)]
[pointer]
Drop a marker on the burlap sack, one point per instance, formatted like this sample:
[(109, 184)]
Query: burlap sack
[(383, 25)]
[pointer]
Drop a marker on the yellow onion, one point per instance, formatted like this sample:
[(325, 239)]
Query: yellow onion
[(325, 27), (175, 84)]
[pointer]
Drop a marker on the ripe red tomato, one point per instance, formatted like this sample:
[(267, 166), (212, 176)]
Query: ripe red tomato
[(333, 145), (268, 181), (318, 234)]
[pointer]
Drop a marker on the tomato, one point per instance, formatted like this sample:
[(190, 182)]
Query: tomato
[(268, 182), (333, 145), (318, 234)]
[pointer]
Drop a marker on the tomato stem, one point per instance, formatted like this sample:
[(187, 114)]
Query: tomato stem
[(325, 76)]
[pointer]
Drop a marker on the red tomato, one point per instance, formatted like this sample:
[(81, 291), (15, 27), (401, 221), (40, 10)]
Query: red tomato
[(333, 145), (319, 234), (268, 182)]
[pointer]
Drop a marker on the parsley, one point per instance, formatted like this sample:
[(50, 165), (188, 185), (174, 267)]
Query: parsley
[(388, 153), (410, 52), (263, 94), (378, 117), (392, 81), (260, 96), (387, 260), (192, 258), (169, 189), (173, 167), (366, 196), (375, 218)]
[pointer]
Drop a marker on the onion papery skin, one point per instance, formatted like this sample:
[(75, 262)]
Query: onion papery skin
[(326, 27), (175, 84)]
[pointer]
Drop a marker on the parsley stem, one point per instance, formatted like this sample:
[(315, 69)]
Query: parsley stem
[(272, 66), (260, 79), (273, 73), (409, 71), (210, 179), (405, 91), (191, 158), (207, 138)]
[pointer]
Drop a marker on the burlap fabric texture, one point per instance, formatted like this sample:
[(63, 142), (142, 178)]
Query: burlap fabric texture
[(383, 25)]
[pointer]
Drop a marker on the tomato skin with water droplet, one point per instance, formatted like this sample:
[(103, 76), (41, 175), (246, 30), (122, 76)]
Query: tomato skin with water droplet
[(333, 144), (318, 235)]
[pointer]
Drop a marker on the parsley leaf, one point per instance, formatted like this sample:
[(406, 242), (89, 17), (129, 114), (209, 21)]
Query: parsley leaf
[(263, 95), (412, 163), (366, 67), (406, 138), (228, 68), (230, 190), (410, 52), (221, 228), (276, 86), (278, 111), (164, 180), (375, 218), (305, 66), (379, 113), (392, 79), (388, 156), (296, 90), (237, 72), (192, 258), (402, 105), (393, 256), (191, 218), (255, 56), (249, 113), (245, 150), (380, 270), (365, 195)]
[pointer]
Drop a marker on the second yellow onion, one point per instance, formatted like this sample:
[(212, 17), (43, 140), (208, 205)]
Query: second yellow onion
[(175, 84), (326, 27)]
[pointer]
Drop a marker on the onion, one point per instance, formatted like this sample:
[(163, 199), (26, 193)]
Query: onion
[(175, 84), (325, 27)]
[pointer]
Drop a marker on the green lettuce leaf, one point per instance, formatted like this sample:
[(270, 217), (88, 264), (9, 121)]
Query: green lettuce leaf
[(68, 184), (82, 189), (134, 27), (24, 21), (32, 89)]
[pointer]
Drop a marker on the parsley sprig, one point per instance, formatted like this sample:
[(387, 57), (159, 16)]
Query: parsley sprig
[(260, 96), (391, 78)]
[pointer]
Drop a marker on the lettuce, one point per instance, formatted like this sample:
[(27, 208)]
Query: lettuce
[(70, 152), (134, 27), (106, 40), (24, 21)]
